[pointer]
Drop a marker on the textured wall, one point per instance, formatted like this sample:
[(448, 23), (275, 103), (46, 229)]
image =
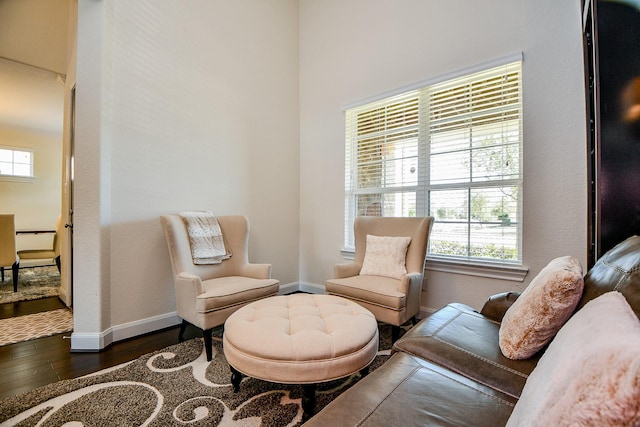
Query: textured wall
[(353, 50)]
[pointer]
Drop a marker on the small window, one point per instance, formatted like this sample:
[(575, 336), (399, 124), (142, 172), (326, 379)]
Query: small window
[(451, 150), (16, 162)]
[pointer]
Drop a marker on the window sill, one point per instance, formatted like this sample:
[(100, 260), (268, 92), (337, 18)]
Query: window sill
[(490, 270), (13, 178)]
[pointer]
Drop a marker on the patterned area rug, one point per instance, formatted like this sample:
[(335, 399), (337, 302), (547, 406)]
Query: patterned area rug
[(33, 283), (38, 325), (172, 387)]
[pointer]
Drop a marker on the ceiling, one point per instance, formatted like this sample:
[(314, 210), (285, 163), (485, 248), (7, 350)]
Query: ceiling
[(33, 62)]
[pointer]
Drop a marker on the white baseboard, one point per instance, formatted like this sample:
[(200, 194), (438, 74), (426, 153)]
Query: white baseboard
[(288, 288), (144, 326), (97, 341), (90, 341), (312, 288)]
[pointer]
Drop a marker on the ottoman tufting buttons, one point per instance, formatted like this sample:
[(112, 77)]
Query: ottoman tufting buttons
[(300, 339)]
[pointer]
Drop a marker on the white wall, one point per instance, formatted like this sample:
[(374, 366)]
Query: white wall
[(237, 107), (180, 107), (351, 50), (35, 203), (31, 117)]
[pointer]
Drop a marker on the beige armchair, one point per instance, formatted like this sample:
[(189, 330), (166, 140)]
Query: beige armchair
[(206, 295), (392, 300), (8, 254), (52, 253)]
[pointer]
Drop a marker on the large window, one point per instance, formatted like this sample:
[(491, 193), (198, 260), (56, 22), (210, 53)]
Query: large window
[(16, 162), (451, 150)]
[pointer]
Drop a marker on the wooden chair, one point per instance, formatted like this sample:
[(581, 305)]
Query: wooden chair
[(52, 253), (8, 254)]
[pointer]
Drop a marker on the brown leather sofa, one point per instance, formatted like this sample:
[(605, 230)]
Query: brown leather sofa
[(448, 370)]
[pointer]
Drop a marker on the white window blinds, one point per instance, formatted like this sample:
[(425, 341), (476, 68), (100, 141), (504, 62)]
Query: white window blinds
[(450, 150)]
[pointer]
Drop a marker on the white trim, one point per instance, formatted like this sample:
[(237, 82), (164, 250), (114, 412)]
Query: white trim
[(288, 288), (312, 288), (17, 178), (510, 272), (439, 79), (96, 341), (89, 341), (144, 326), (493, 271)]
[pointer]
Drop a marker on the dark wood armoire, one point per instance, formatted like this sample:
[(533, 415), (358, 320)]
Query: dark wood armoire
[(612, 62)]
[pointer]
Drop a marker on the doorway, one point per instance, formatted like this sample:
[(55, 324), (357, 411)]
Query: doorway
[(38, 44)]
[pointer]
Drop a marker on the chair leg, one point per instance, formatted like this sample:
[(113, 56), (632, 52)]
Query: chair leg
[(58, 263), (395, 333), (208, 343), (15, 268), (2, 270), (183, 327)]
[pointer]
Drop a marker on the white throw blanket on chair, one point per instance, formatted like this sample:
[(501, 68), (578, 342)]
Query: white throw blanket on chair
[(205, 237)]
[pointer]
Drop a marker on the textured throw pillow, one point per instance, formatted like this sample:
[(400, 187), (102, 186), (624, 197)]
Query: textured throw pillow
[(590, 374), (544, 306), (385, 256)]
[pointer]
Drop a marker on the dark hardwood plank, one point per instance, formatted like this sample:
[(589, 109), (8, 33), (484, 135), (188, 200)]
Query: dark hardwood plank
[(28, 365), (22, 308)]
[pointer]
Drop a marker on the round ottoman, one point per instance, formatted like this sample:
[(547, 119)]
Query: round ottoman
[(300, 339)]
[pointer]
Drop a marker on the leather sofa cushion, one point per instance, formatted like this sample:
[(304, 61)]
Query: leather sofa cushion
[(464, 341), (408, 391), (617, 270)]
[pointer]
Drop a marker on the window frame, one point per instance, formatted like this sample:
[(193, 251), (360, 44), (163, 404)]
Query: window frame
[(19, 178), (488, 267)]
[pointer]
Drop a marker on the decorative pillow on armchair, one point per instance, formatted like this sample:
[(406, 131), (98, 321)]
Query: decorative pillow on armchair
[(544, 306), (385, 256), (590, 374)]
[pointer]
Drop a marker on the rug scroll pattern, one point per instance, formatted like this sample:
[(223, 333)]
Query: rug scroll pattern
[(172, 387)]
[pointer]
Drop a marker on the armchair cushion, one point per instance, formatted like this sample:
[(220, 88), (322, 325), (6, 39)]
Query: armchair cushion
[(542, 309), (379, 290), (385, 256), (232, 291)]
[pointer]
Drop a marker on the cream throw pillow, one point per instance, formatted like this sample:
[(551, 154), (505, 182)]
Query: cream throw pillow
[(544, 306), (590, 374), (385, 256)]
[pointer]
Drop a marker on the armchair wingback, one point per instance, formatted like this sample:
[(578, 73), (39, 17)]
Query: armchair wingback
[(206, 295), (391, 300)]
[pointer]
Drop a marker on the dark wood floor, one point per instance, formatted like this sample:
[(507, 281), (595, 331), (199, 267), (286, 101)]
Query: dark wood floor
[(31, 364)]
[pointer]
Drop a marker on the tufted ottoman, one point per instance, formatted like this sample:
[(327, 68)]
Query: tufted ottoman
[(300, 339)]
